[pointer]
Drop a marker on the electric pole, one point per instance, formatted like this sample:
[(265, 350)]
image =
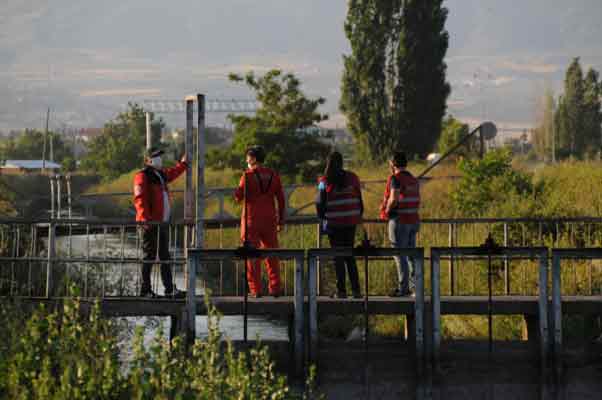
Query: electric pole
[(45, 140)]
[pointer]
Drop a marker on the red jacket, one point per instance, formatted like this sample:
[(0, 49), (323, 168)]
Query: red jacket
[(343, 205), (263, 186), (148, 191), (408, 202)]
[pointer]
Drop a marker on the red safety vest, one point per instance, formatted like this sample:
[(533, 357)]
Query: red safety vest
[(408, 202), (343, 204)]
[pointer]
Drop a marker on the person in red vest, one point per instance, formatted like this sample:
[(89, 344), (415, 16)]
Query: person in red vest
[(260, 221), (151, 200), (400, 206), (340, 207)]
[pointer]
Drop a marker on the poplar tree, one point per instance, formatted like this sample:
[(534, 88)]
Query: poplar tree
[(592, 121), (394, 90), (573, 109)]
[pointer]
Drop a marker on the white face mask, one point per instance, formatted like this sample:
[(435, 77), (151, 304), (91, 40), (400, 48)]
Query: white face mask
[(156, 162)]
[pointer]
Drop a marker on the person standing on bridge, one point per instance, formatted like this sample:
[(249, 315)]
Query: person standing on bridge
[(259, 189), (151, 200), (400, 205), (340, 207)]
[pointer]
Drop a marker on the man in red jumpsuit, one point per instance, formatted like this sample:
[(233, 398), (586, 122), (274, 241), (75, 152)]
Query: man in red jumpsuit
[(262, 221), (151, 199)]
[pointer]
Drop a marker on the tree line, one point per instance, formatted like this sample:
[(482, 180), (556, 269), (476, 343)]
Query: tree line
[(570, 125), (394, 93)]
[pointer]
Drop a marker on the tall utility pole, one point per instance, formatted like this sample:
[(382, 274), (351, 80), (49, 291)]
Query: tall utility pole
[(45, 139)]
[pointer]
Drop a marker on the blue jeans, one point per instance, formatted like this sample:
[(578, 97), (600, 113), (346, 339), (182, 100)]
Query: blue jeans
[(403, 235)]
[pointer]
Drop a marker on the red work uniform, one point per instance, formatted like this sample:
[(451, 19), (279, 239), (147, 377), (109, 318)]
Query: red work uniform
[(263, 187), (151, 200), (149, 188)]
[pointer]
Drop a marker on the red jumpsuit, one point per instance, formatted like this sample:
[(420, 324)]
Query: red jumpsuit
[(263, 188)]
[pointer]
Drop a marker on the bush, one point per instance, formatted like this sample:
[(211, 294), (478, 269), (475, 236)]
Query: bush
[(491, 182), (66, 356)]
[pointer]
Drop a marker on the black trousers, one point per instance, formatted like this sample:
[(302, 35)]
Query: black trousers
[(344, 236), (151, 242)]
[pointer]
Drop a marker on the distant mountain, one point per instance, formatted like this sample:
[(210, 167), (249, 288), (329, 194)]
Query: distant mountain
[(86, 60)]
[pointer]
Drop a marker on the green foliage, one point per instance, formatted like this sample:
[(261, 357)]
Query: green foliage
[(282, 125), (30, 144), (453, 131), (544, 140), (579, 115), (488, 182), (394, 91), (120, 147), (54, 355)]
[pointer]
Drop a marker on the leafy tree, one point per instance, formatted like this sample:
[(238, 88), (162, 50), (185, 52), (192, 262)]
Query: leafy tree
[(120, 147), (544, 140), (452, 132), (579, 115), (394, 91), (29, 144), (284, 125), (484, 181), (592, 118), (573, 102)]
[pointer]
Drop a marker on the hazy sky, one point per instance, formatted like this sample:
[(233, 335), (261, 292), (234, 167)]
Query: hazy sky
[(87, 59)]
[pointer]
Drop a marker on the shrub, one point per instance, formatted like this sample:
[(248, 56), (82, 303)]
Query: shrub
[(67, 356)]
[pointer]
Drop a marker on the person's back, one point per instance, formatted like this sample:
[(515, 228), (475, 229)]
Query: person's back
[(408, 201), (263, 187)]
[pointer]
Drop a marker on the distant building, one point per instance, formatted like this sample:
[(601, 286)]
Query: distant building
[(16, 167)]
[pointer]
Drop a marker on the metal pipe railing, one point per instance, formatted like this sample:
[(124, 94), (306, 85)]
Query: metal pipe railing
[(558, 255), (196, 259), (313, 255), (539, 253)]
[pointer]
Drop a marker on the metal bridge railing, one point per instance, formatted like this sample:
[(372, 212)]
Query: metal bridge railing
[(503, 253), (558, 255), (198, 259), (366, 253), (46, 258)]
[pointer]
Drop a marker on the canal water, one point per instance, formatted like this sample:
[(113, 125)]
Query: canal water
[(124, 278)]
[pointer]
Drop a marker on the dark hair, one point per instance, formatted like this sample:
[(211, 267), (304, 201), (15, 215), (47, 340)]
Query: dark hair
[(334, 169), (256, 151), (399, 159)]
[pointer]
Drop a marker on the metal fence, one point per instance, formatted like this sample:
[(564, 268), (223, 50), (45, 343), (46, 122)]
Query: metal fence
[(102, 258)]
